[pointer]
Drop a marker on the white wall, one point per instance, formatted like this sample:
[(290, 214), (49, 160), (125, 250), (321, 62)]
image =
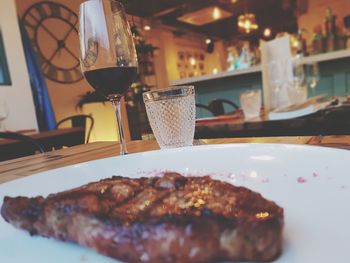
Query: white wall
[(18, 96)]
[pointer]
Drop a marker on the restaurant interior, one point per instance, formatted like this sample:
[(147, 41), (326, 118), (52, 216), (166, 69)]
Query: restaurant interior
[(214, 45), (189, 130)]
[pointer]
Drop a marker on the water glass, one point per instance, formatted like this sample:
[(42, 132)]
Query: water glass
[(297, 93), (251, 103), (171, 113)]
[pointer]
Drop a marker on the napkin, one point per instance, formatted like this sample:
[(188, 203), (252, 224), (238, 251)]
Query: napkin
[(277, 70)]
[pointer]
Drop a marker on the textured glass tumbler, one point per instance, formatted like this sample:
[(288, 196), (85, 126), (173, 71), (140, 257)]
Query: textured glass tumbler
[(171, 113), (251, 103)]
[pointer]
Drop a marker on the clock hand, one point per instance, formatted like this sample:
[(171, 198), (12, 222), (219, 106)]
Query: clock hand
[(44, 27), (69, 31), (71, 53), (60, 45), (51, 57)]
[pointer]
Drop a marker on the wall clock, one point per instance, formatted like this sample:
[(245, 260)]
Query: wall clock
[(52, 29)]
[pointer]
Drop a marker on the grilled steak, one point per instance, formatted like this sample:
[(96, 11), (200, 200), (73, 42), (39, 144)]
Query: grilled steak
[(159, 219)]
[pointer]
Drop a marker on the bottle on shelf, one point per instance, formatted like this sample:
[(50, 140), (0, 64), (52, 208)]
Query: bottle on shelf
[(301, 44)]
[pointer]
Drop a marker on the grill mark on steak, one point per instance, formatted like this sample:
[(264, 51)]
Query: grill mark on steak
[(160, 219)]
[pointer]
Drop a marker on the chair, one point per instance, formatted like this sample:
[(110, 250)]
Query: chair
[(217, 106), (26, 146), (79, 121), (205, 108)]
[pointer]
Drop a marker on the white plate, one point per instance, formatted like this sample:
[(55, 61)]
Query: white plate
[(311, 183)]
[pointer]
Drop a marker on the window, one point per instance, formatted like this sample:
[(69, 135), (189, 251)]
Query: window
[(4, 71)]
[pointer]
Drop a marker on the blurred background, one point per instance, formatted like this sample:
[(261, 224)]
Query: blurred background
[(213, 44)]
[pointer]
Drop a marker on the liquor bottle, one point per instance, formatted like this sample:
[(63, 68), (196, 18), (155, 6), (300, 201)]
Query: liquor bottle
[(302, 47), (330, 29)]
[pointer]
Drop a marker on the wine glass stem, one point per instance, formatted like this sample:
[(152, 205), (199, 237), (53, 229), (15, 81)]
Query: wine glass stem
[(116, 103)]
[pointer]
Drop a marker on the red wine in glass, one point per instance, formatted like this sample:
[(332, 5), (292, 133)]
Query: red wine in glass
[(107, 52), (111, 81)]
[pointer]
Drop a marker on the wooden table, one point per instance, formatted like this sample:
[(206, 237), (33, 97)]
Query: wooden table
[(54, 139), (18, 168)]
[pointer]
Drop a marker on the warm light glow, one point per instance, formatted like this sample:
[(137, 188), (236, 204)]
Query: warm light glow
[(215, 71), (147, 28), (247, 23), (267, 32), (192, 61), (208, 41), (262, 215), (216, 13), (295, 43), (233, 1)]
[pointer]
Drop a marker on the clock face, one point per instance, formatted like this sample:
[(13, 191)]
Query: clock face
[(52, 29)]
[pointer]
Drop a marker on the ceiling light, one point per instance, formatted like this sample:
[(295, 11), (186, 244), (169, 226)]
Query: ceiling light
[(208, 41), (204, 16), (247, 23), (147, 27), (233, 1), (216, 13), (267, 32)]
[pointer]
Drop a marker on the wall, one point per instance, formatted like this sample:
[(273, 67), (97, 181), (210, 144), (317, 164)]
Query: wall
[(166, 58), (193, 43), (18, 96), (316, 13), (154, 37), (64, 97)]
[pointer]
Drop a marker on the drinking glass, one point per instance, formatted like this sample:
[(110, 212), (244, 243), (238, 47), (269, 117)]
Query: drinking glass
[(171, 113), (251, 104), (297, 89), (107, 53)]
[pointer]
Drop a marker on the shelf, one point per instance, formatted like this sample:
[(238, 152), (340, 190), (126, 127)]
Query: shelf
[(310, 59), (327, 56), (216, 76)]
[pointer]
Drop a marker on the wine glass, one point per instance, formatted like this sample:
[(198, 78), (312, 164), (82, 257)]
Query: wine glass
[(298, 73), (107, 53), (297, 90)]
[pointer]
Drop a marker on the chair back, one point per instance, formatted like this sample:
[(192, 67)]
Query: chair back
[(26, 146), (207, 110), (217, 106), (79, 120)]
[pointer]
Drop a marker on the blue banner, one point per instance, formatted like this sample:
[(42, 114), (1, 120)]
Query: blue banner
[(43, 107)]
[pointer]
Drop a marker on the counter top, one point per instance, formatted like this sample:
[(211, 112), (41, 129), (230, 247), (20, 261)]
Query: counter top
[(254, 69)]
